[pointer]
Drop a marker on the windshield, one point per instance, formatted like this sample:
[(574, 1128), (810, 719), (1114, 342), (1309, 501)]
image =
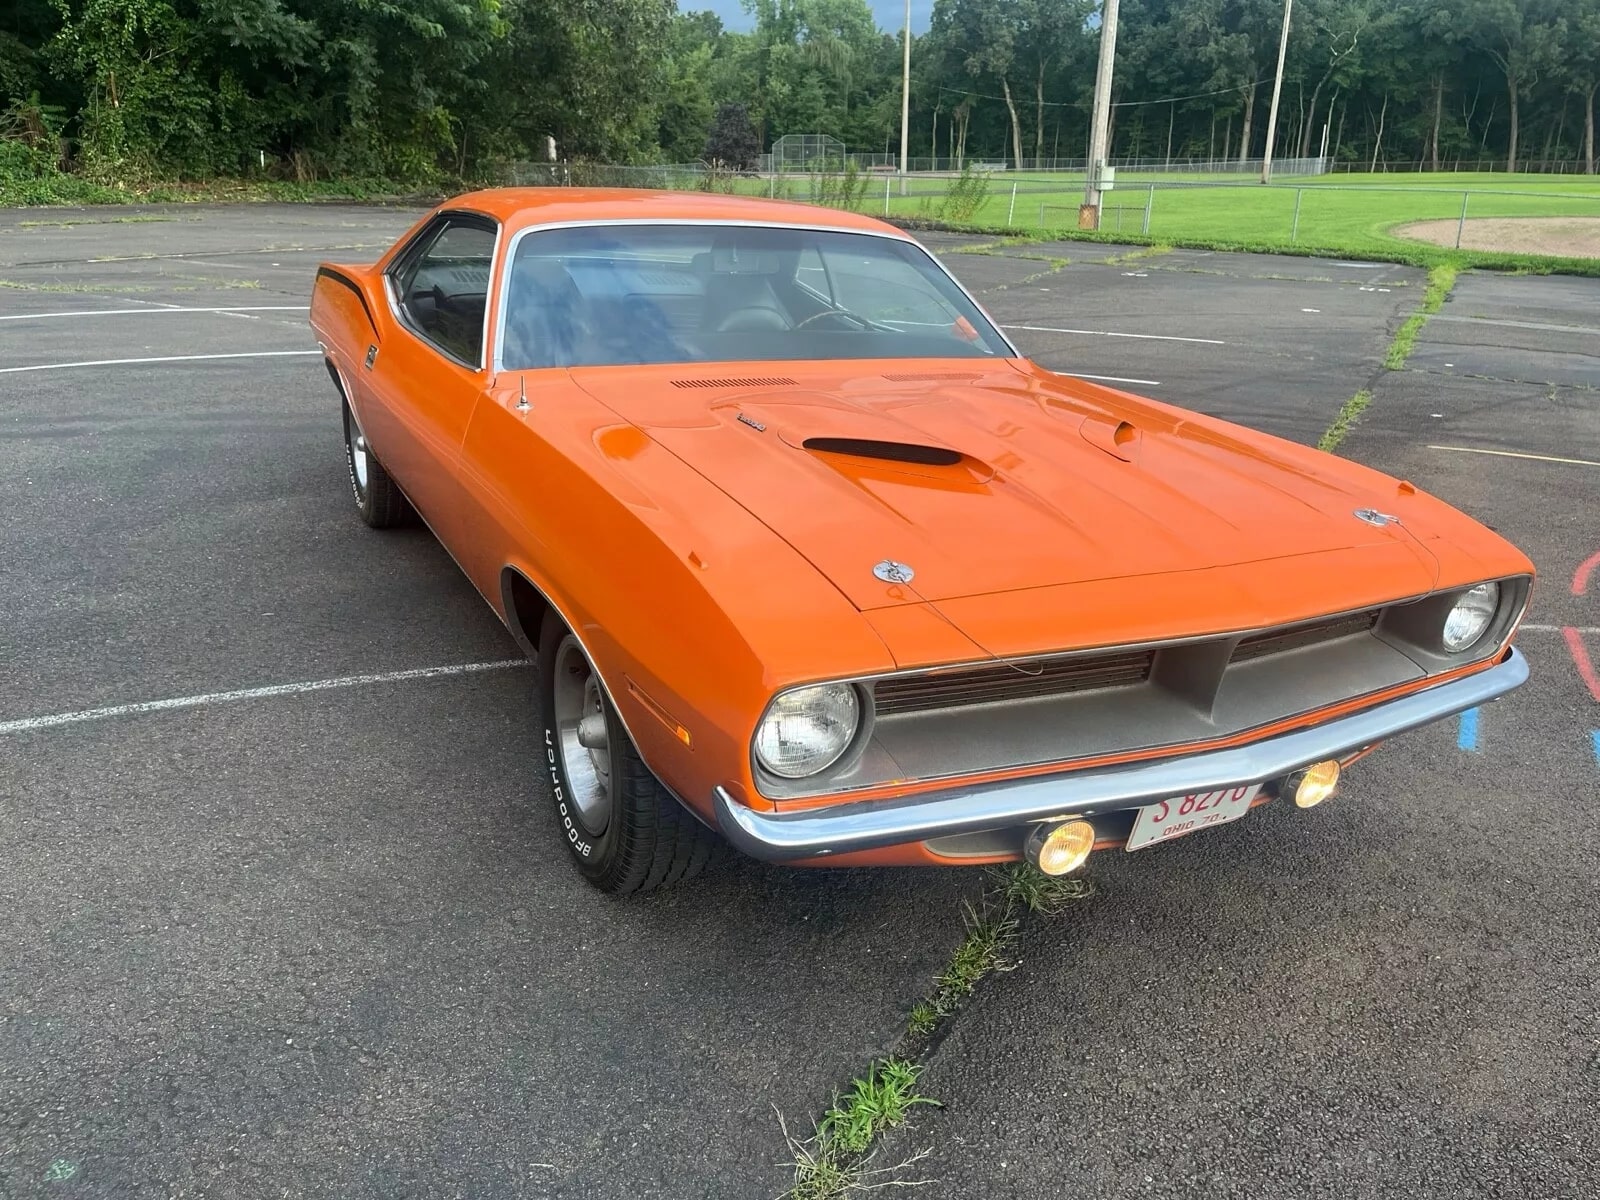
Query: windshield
[(616, 294)]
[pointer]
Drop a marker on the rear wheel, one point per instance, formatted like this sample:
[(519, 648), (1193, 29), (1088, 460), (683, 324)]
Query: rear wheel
[(380, 500), (625, 831)]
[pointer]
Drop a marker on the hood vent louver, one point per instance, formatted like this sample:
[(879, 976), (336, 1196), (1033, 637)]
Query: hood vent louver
[(931, 376), (905, 452), (749, 382)]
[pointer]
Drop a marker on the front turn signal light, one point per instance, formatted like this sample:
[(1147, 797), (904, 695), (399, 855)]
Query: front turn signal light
[(1311, 786), (1060, 849)]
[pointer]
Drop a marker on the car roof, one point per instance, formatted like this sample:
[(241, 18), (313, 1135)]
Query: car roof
[(519, 208)]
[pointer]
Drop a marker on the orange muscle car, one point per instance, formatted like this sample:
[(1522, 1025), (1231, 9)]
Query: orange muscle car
[(814, 562)]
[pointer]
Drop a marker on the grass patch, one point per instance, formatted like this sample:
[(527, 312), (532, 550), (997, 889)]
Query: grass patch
[(878, 1101), (1441, 279), (228, 285), (59, 189), (1154, 250), (1342, 215), (1411, 254), (1345, 421), (992, 928), (1055, 265), (16, 285), (837, 1160), (68, 224)]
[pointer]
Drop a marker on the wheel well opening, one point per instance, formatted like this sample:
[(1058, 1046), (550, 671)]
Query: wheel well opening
[(525, 607)]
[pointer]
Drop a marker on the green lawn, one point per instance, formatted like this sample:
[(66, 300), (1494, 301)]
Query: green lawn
[(1347, 214)]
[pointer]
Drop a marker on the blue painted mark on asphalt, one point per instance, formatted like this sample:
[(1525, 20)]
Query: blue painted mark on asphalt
[(1596, 735), (1467, 734)]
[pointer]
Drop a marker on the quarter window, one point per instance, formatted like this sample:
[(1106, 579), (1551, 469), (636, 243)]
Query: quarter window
[(443, 289)]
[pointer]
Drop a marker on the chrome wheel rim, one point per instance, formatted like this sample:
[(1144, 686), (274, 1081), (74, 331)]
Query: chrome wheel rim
[(356, 441), (580, 718)]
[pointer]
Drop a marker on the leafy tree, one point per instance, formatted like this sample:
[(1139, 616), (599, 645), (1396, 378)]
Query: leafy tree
[(1582, 60), (733, 139), (436, 89), (1523, 41)]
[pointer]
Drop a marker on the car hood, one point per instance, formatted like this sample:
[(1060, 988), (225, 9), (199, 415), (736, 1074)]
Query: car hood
[(1000, 479)]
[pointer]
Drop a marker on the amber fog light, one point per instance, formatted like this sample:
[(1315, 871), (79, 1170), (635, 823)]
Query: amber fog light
[(1313, 785), (1058, 849)]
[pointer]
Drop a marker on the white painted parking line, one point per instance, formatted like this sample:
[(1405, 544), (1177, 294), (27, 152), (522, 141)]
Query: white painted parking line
[(169, 358), (146, 312), (1576, 462), (1110, 378), (1584, 629), (261, 693), (1149, 337)]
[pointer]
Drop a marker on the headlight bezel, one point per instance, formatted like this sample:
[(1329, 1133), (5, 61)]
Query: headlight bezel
[(1469, 600), (1418, 626), (839, 761)]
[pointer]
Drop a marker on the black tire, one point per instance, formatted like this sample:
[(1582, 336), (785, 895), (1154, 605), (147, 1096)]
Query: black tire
[(378, 497), (644, 839)]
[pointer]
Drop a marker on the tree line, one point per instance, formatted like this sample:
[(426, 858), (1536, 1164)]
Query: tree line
[(433, 89)]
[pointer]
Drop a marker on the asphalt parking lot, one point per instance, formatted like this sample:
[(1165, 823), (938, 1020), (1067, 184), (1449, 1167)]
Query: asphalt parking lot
[(324, 942)]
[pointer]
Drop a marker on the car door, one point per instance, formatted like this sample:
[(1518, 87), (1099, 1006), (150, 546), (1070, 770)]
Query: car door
[(429, 376)]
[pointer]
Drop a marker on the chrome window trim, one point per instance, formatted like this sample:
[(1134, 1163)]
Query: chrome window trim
[(504, 273), (397, 310)]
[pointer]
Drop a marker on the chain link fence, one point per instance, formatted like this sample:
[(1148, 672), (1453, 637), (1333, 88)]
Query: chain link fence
[(1306, 209)]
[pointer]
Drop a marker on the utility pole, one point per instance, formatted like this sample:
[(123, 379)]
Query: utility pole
[(1277, 87), (1089, 214), (905, 106)]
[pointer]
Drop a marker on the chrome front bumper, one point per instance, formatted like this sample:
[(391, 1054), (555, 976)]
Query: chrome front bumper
[(872, 824)]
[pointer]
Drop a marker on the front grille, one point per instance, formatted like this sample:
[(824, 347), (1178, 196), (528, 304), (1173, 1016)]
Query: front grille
[(1296, 637), (993, 683)]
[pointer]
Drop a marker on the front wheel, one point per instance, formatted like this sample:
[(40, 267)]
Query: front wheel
[(625, 831), (378, 497)]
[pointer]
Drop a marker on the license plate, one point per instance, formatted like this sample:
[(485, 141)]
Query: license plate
[(1168, 819)]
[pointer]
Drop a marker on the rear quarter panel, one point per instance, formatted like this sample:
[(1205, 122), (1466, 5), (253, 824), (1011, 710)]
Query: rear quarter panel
[(345, 314)]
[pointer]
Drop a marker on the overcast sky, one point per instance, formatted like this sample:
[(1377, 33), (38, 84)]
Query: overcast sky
[(890, 14)]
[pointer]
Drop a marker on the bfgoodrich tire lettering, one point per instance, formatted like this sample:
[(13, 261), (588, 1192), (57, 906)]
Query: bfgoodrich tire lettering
[(378, 497), (624, 830)]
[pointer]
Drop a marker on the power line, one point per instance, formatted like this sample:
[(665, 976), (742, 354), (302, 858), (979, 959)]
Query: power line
[(964, 94)]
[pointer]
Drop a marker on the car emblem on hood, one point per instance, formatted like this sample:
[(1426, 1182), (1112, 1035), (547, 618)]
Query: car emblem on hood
[(894, 572), (1373, 517)]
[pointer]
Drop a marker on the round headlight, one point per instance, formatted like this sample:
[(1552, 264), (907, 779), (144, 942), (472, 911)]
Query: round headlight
[(1471, 616), (807, 729)]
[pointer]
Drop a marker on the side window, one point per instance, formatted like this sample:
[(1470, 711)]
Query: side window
[(444, 289)]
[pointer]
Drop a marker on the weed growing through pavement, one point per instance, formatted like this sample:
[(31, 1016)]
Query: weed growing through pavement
[(879, 1101), (822, 1171), (1440, 280), (836, 1161), (1344, 421), (76, 288)]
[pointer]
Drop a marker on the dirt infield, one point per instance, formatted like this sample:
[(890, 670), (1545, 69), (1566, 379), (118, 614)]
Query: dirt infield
[(1569, 237)]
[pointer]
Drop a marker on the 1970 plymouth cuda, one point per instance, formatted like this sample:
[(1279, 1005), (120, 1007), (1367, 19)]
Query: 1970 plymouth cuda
[(813, 561)]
